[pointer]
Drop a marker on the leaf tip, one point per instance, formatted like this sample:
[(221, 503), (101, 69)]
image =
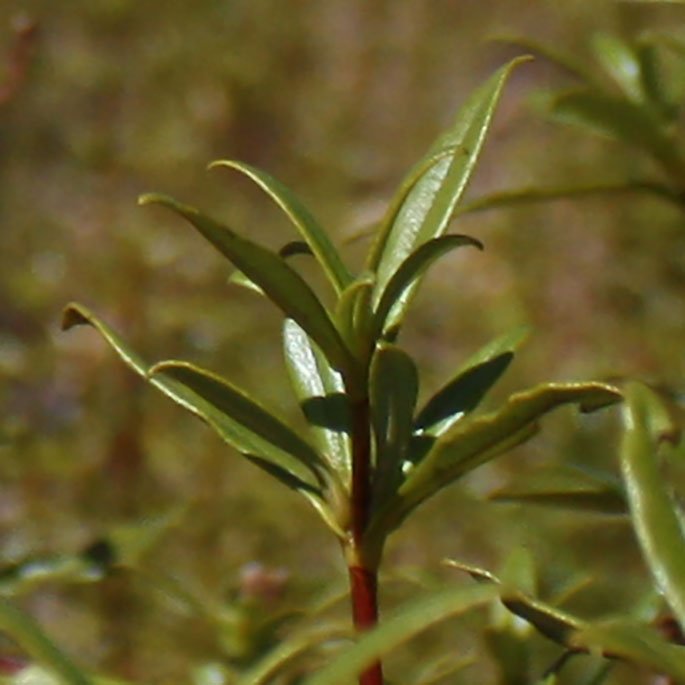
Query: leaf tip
[(153, 199), (74, 315)]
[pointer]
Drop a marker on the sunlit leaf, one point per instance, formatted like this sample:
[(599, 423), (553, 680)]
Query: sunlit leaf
[(399, 627), (280, 282), (234, 433), (620, 62), (428, 207), (476, 440), (633, 642), (313, 234), (296, 247), (410, 270), (320, 391), (393, 389), (460, 395), (31, 638), (652, 508)]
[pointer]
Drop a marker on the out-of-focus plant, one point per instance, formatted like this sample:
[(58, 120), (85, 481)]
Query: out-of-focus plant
[(370, 457), (631, 93)]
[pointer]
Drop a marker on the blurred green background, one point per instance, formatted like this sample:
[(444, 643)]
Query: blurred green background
[(336, 98)]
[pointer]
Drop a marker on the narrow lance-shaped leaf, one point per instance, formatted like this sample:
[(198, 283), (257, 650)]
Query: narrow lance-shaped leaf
[(280, 282), (237, 435), (620, 62), (653, 511), (410, 270), (398, 628), (353, 314), (301, 218), (321, 392), (476, 440), (429, 206), (393, 389), (464, 392)]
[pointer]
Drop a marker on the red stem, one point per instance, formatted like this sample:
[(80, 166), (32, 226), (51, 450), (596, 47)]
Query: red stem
[(363, 571)]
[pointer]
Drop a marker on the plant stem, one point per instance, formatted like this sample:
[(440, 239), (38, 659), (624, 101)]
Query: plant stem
[(363, 566)]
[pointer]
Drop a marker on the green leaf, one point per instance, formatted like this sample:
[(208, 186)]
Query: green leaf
[(409, 271), (399, 627), (241, 409), (280, 282), (652, 508), (633, 642), (353, 314), (563, 488), (393, 389), (313, 234), (232, 432), (621, 63), (460, 396), (321, 394), (428, 207), (476, 440), (295, 247), (31, 638)]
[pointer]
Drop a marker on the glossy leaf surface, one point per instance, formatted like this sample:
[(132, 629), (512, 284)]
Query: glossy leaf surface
[(475, 440), (280, 282), (320, 391), (234, 433), (314, 235), (399, 627), (429, 206), (410, 270), (652, 508), (394, 386)]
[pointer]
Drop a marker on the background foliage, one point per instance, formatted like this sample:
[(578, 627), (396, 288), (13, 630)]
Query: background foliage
[(337, 99)]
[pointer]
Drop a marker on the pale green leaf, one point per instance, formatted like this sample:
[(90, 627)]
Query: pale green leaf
[(428, 207), (353, 314), (280, 282), (321, 393), (620, 62), (314, 235), (652, 508), (397, 628)]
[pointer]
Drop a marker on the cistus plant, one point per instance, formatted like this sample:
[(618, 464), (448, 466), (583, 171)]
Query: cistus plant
[(370, 456)]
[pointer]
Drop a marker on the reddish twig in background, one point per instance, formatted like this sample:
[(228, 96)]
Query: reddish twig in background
[(19, 57)]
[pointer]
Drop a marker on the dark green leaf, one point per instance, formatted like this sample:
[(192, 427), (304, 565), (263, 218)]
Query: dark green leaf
[(476, 440), (399, 627), (353, 314), (240, 408), (234, 433), (653, 511), (320, 390), (409, 271), (393, 388), (302, 219), (281, 284), (428, 207), (291, 249), (461, 395)]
